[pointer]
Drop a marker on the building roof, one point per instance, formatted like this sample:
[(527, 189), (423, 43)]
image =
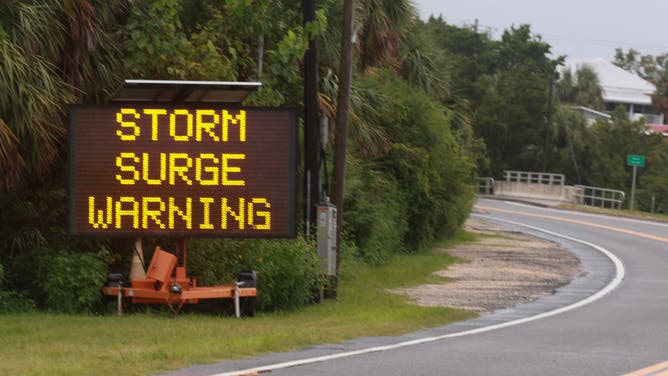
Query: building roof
[(658, 128), (593, 113), (619, 86)]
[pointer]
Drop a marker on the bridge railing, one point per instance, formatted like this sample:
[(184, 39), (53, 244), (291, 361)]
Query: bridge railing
[(599, 197), (535, 177), (485, 186)]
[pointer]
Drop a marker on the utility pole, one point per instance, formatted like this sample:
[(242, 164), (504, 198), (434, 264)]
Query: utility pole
[(341, 132), (548, 122), (311, 125), (554, 75)]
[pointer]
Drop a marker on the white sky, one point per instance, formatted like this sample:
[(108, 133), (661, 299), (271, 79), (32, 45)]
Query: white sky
[(577, 28)]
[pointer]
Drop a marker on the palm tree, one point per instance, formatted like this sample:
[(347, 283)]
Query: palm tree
[(51, 54), (90, 57), (382, 24), (32, 104), (422, 65), (582, 88), (589, 92)]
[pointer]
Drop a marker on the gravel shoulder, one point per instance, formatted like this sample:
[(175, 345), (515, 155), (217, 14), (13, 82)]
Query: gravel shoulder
[(501, 269)]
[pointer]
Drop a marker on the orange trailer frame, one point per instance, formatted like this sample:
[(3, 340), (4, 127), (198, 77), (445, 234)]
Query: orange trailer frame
[(166, 283)]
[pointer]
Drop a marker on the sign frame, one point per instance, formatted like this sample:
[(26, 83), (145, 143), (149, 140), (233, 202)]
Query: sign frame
[(291, 152)]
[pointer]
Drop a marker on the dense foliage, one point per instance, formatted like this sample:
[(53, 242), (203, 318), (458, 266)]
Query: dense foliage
[(506, 83), (416, 188), (57, 52)]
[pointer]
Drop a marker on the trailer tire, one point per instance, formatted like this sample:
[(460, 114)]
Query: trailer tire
[(247, 306)]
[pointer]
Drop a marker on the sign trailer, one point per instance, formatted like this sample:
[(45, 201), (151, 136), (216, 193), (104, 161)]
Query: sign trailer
[(176, 170)]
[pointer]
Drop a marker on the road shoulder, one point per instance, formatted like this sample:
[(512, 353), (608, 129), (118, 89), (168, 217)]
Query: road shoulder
[(501, 269)]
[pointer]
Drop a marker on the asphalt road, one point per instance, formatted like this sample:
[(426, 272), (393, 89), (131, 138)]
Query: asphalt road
[(597, 325)]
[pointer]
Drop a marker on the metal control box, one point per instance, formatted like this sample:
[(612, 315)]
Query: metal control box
[(327, 238)]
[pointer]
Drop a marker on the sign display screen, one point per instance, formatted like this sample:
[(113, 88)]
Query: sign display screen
[(182, 170)]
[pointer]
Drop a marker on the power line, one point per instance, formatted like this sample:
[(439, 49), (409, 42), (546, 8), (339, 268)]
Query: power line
[(580, 40), (604, 42)]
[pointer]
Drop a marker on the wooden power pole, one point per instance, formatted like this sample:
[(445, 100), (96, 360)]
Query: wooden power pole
[(341, 131), (311, 125)]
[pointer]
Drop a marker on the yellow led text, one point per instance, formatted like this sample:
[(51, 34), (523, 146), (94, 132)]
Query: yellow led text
[(181, 125), (206, 169), (144, 213)]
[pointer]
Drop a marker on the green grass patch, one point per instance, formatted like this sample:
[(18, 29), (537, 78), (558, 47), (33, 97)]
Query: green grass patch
[(459, 237), (147, 343)]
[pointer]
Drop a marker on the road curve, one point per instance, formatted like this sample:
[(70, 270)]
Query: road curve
[(613, 328)]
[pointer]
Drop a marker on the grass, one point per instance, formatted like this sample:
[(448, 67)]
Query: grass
[(147, 343)]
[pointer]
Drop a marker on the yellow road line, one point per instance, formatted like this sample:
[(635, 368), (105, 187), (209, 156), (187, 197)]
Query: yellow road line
[(575, 221), (660, 369)]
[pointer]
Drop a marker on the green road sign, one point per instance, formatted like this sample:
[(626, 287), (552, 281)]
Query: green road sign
[(635, 160)]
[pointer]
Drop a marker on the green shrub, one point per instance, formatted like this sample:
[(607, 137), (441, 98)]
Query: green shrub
[(214, 261), (33, 238), (74, 280), (25, 272), (417, 181), (287, 275), (375, 215), (287, 272), (15, 302)]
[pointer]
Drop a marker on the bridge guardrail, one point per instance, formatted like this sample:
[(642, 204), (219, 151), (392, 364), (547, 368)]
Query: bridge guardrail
[(535, 177), (485, 186), (599, 197)]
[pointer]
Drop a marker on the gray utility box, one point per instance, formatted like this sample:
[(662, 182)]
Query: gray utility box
[(327, 238)]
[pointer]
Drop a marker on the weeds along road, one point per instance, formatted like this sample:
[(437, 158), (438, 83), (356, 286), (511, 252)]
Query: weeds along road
[(610, 326)]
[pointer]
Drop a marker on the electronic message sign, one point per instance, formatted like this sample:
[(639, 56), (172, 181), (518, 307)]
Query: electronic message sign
[(182, 170)]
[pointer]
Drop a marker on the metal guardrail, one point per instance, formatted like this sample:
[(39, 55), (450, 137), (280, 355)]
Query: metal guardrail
[(485, 186), (535, 177), (600, 197)]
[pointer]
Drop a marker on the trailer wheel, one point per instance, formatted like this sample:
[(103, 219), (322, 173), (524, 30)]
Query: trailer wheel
[(247, 306)]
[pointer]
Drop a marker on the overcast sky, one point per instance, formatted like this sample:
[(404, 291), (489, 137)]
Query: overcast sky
[(577, 28)]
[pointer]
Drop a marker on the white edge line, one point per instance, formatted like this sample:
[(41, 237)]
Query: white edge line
[(620, 274)]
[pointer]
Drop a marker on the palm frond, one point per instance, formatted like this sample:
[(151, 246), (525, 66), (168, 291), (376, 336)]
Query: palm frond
[(32, 102), (367, 108), (11, 161), (35, 26), (384, 24)]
